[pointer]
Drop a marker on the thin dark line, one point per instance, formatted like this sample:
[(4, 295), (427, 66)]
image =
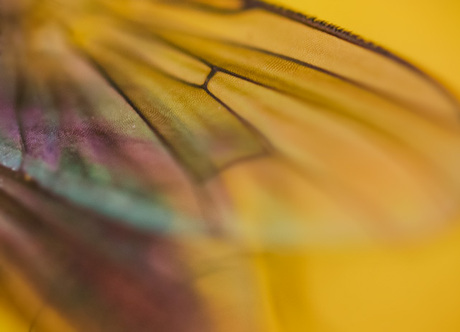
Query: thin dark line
[(116, 87), (213, 67), (137, 28), (140, 29), (342, 34), (122, 53), (216, 69), (194, 175), (316, 68), (345, 35), (84, 110), (330, 29), (240, 76), (334, 108), (265, 142), (250, 80), (342, 78), (243, 121), (208, 78), (350, 37)]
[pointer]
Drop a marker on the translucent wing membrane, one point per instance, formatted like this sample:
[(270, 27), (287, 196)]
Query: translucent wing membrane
[(136, 135), (368, 136)]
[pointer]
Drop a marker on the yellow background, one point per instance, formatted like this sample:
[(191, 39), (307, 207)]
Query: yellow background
[(399, 288), (412, 287), (426, 32)]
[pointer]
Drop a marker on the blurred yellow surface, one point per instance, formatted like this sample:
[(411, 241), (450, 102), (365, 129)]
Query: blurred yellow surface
[(381, 287), (393, 287), (10, 321), (425, 32)]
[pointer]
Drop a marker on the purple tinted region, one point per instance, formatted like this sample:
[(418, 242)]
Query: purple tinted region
[(70, 136), (40, 133)]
